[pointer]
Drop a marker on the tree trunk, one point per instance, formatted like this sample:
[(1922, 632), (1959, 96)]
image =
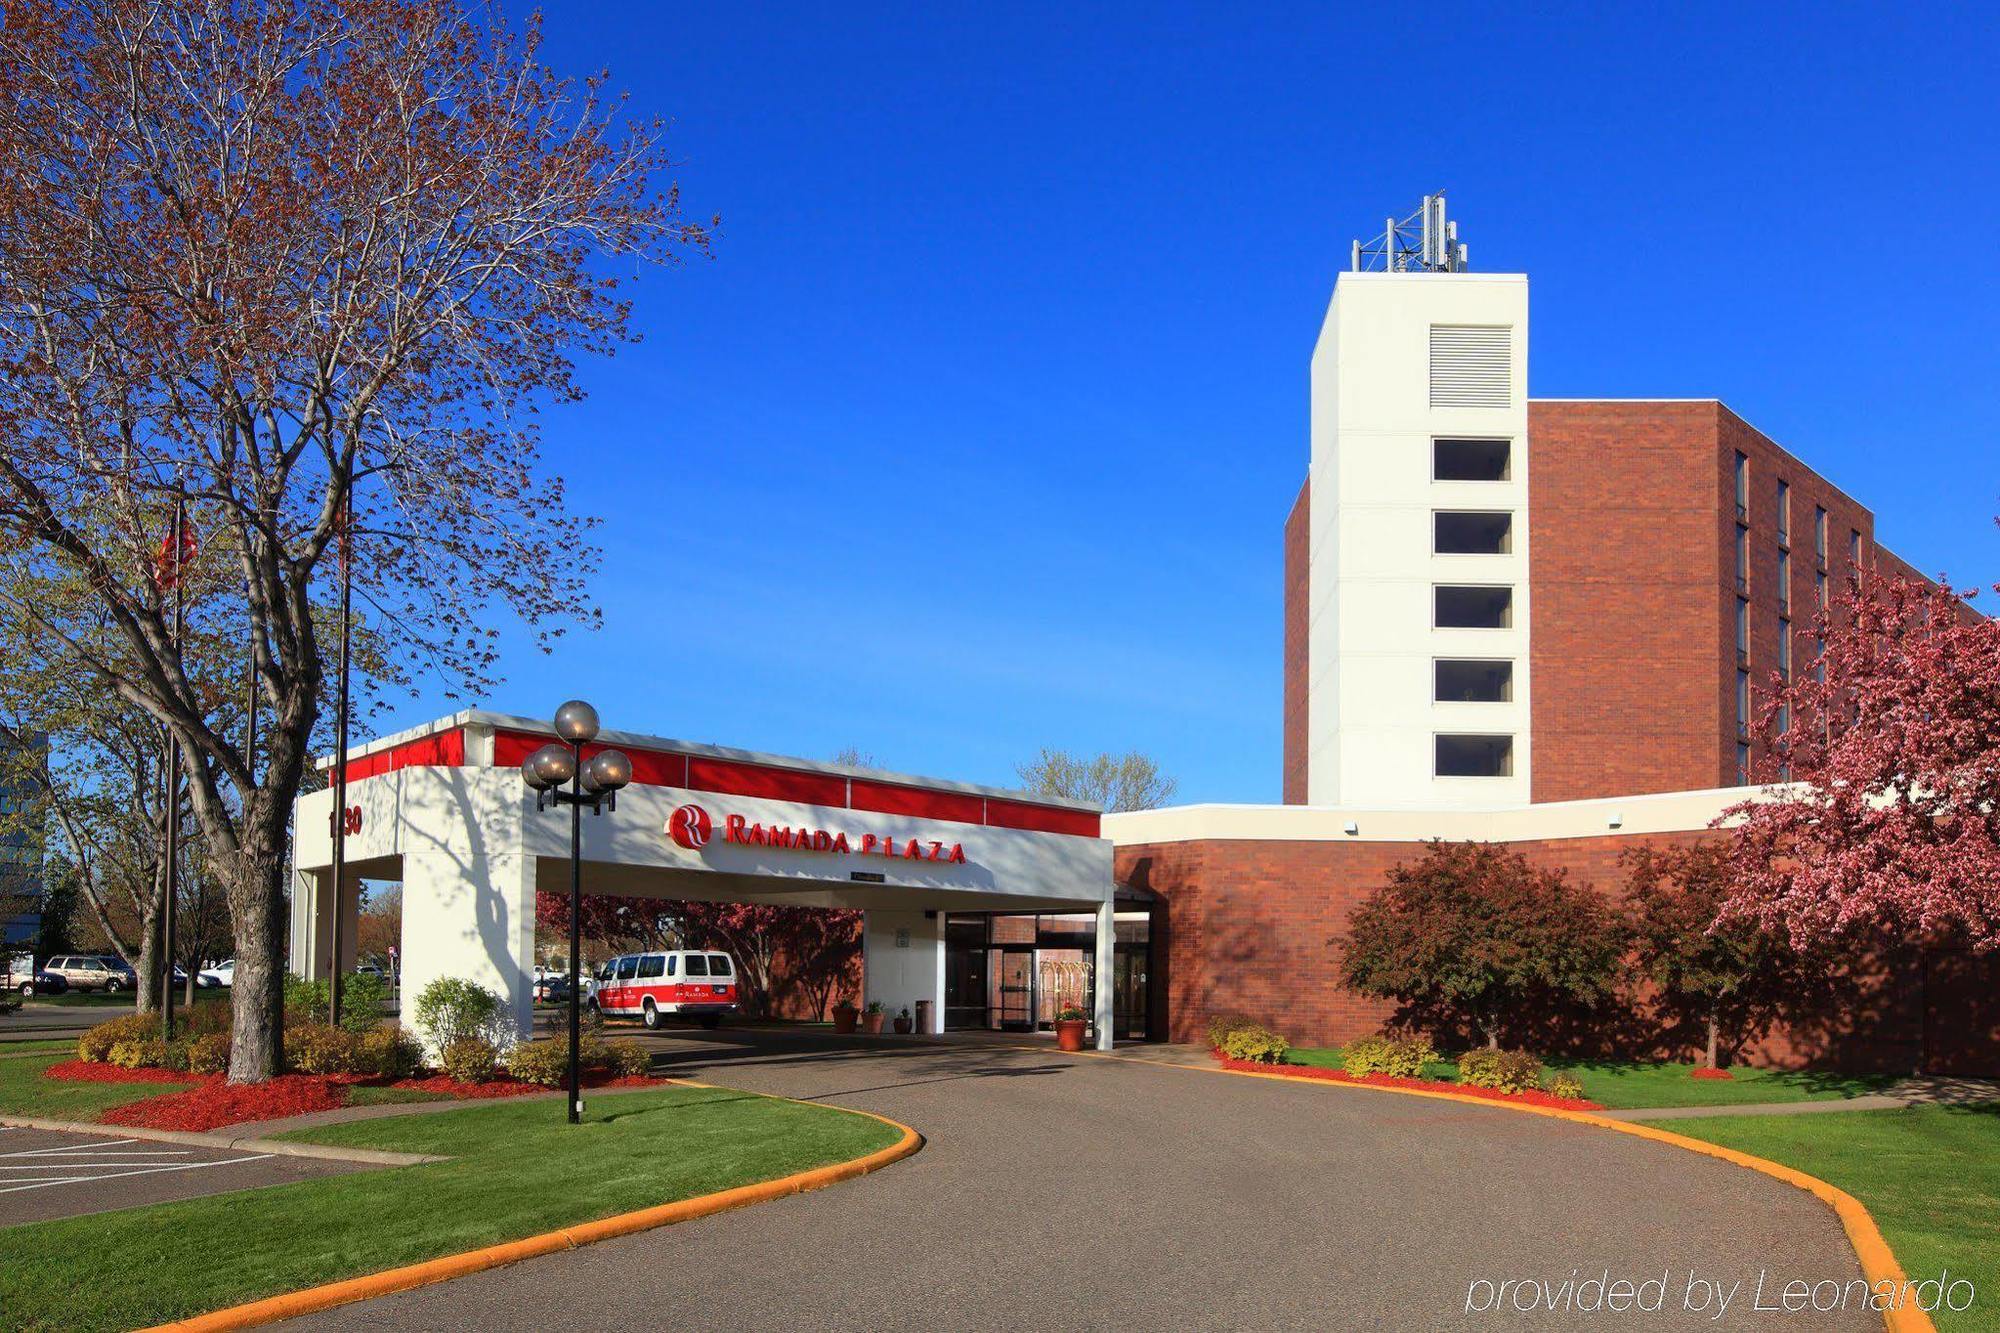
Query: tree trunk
[(1714, 1032), (147, 965), (250, 877)]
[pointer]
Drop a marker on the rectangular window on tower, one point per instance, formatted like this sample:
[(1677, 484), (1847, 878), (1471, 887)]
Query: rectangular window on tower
[(1742, 631), (1471, 460), (1785, 649), (1819, 590), (1742, 488), (1742, 765), (1854, 550), (1785, 581), (1475, 756), (1784, 513), (1473, 606), (1473, 681), (1742, 703), (1819, 533), (1742, 559), (1473, 532)]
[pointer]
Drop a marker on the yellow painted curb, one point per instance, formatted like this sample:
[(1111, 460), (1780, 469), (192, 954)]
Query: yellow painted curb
[(1878, 1261), (314, 1299)]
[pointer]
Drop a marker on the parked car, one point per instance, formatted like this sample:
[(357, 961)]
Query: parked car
[(222, 974), (685, 983), (94, 972), (552, 988), (27, 980)]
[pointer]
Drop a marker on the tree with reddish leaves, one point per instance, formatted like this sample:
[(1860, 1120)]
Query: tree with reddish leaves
[(1725, 981), (616, 924), (307, 269), (1471, 937), (1890, 820)]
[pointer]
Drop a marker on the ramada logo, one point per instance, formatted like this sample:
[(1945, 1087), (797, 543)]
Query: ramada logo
[(690, 827)]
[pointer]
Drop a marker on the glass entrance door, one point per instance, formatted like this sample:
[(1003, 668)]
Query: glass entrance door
[(1013, 973)]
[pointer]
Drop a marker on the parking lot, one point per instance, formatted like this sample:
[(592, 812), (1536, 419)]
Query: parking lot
[(46, 1174)]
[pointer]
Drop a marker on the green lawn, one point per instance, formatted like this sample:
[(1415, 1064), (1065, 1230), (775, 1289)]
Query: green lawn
[(1929, 1174), (40, 1046), (23, 1090), (518, 1170), (1625, 1085)]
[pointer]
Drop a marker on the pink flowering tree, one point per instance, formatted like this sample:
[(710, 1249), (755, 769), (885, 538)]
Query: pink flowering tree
[(1891, 741)]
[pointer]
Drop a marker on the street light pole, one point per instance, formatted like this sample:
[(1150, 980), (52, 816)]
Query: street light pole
[(594, 784)]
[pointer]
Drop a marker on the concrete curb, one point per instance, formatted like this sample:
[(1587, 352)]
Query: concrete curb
[(237, 1142), (1878, 1261), (392, 1280)]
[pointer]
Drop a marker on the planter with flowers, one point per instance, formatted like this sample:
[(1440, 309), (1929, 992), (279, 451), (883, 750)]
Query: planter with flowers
[(871, 1020), (903, 1022), (1070, 1024), (845, 1017)]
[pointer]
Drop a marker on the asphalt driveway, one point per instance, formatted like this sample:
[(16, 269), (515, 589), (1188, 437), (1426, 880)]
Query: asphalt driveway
[(1093, 1193), (51, 1173)]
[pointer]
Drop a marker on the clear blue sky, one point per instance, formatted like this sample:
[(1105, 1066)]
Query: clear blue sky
[(979, 432)]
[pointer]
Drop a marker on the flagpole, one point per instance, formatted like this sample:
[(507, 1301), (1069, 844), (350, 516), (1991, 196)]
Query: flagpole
[(173, 812), (340, 759)]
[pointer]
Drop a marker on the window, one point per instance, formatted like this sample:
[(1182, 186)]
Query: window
[(1475, 756), (1742, 487), (627, 968), (1785, 649), (1471, 460), (1742, 559), (718, 965), (1742, 701), (1819, 589), (1474, 681), (1819, 533), (653, 965), (1854, 550), (1742, 765), (673, 964), (1473, 607), (1476, 532), (1472, 366), (1784, 513), (1743, 629), (697, 965), (1785, 581), (605, 971)]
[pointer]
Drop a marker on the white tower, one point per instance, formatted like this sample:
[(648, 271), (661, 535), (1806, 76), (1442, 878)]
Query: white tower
[(1417, 595)]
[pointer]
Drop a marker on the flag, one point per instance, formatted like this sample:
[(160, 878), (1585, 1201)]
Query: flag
[(177, 549)]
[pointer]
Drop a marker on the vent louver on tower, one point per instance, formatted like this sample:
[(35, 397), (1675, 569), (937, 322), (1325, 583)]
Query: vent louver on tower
[(1471, 366)]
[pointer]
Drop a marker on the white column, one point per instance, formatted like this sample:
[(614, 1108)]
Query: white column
[(937, 983), (471, 917), (903, 958), (1107, 938), (307, 945)]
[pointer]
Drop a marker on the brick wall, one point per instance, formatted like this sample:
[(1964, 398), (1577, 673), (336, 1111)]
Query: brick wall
[(1245, 926), (1298, 664)]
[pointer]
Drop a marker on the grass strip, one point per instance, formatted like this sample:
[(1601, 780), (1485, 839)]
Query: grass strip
[(518, 1170)]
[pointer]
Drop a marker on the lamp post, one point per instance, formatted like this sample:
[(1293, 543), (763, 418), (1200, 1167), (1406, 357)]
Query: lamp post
[(594, 784)]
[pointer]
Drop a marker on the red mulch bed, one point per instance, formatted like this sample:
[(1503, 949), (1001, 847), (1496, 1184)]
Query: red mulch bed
[(88, 1071), (214, 1102), (1420, 1084), (1710, 1073)]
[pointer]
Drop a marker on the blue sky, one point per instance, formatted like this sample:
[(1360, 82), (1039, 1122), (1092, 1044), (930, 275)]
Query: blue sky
[(979, 432)]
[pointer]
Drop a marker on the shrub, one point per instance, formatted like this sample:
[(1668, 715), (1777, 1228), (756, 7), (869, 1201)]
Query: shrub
[(95, 1045), (139, 1053), (1221, 1025), (471, 1060), (320, 1048), (544, 1061), (1252, 1042), (628, 1058), (174, 1054), (208, 1053), (1502, 1071), (452, 1009), (305, 1001), (1568, 1087), (1398, 1057), (204, 1017), (362, 996), (387, 1051)]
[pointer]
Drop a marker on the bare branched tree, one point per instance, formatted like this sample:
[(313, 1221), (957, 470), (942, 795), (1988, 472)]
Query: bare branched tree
[(1117, 783), (308, 268)]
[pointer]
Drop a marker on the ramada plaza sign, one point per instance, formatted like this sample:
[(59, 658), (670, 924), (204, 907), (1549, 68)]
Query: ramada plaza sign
[(691, 826)]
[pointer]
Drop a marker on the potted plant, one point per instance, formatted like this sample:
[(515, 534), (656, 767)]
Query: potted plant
[(871, 1021), (903, 1022), (845, 1015), (1070, 1023)]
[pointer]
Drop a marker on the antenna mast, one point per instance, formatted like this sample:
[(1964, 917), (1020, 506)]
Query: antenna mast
[(1423, 242)]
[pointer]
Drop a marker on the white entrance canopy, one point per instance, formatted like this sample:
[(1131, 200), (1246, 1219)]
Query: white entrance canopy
[(444, 809)]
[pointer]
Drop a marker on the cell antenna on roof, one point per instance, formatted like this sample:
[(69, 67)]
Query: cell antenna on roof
[(1423, 242)]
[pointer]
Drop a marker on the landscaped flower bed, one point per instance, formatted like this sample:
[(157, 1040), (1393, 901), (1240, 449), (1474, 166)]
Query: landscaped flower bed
[(1419, 1084), (1710, 1073), (214, 1102)]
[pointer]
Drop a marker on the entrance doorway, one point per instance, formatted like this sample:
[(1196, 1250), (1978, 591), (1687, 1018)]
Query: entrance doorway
[(1009, 972), (1013, 989)]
